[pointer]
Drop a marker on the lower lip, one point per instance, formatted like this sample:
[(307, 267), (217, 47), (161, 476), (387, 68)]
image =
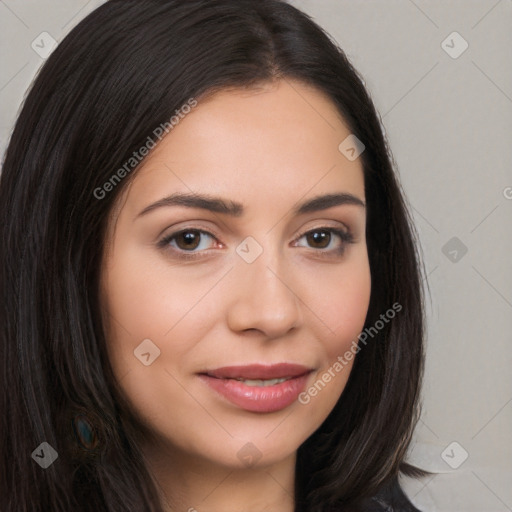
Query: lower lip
[(258, 398)]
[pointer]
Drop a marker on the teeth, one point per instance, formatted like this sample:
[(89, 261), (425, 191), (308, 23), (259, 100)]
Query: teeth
[(259, 382)]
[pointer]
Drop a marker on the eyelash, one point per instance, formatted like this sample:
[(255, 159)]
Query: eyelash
[(345, 236)]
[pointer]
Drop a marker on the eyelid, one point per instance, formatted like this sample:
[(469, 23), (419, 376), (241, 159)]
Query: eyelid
[(326, 226), (164, 241)]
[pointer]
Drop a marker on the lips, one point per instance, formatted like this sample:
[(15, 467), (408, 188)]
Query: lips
[(258, 388), (258, 371)]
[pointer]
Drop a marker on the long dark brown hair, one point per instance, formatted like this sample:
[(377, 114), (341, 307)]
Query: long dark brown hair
[(120, 73)]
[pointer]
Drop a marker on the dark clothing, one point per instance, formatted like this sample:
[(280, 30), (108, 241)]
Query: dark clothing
[(389, 499)]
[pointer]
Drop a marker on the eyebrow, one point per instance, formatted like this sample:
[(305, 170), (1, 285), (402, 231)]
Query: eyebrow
[(235, 209)]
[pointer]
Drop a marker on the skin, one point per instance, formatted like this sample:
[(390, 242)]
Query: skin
[(267, 148)]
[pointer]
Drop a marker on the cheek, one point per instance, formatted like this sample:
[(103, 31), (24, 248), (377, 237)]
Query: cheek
[(149, 298), (144, 297), (144, 302), (341, 304), (343, 308)]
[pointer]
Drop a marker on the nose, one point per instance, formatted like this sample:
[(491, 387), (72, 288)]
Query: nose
[(263, 298)]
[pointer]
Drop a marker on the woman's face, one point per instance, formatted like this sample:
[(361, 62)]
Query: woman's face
[(255, 282)]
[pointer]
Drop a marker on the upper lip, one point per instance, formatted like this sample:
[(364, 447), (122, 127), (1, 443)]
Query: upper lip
[(259, 371)]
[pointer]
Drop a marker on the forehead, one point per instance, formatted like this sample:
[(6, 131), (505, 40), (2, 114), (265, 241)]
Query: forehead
[(275, 142)]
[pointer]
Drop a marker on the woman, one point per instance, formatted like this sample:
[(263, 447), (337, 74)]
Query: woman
[(211, 293)]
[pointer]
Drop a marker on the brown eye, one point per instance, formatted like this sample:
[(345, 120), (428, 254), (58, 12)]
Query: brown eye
[(188, 240), (327, 241), (319, 239)]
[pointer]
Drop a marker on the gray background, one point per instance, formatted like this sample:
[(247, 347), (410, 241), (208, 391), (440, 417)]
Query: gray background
[(449, 122)]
